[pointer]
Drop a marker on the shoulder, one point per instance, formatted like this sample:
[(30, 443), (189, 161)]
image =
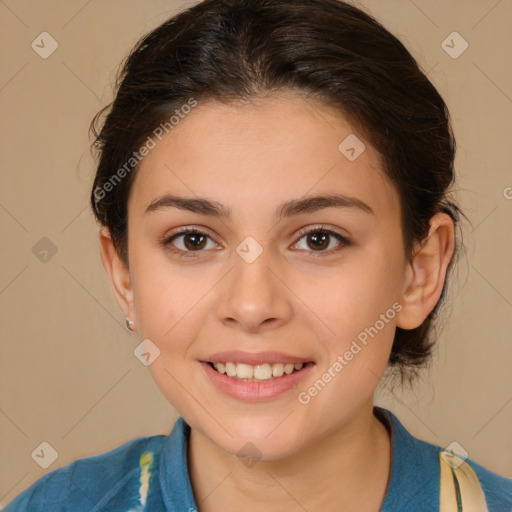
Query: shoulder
[(497, 489), (422, 458), (90, 481)]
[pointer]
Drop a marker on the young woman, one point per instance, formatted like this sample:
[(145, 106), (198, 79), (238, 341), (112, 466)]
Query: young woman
[(273, 189)]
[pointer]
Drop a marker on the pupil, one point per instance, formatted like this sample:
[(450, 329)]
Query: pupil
[(198, 241), (319, 237)]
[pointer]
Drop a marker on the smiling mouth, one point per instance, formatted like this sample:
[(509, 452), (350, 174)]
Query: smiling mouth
[(257, 373)]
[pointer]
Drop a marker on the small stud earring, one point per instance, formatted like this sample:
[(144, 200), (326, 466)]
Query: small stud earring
[(129, 324)]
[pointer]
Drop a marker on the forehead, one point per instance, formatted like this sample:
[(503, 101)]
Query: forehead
[(264, 151)]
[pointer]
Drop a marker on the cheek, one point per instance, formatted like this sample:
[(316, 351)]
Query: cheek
[(166, 295), (362, 313), (359, 306), (355, 296), (169, 307)]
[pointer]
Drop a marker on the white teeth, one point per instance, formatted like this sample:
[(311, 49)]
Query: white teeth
[(288, 368), (231, 369), (244, 371), (264, 371), (277, 370)]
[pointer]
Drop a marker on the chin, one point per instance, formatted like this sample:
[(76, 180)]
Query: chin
[(261, 449), (257, 440)]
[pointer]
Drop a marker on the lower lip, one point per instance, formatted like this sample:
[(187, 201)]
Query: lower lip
[(254, 391)]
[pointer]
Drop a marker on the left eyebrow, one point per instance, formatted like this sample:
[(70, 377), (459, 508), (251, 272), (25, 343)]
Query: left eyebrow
[(289, 208), (311, 204)]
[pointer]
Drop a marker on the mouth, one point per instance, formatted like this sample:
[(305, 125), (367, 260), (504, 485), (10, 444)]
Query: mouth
[(252, 377), (255, 377), (257, 373)]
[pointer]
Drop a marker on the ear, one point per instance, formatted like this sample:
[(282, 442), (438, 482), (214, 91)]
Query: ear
[(426, 272), (119, 275)]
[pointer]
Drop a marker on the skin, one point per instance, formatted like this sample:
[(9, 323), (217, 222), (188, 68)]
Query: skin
[(294, 298)]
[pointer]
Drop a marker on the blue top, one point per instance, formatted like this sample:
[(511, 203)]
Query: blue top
[(151, 473)]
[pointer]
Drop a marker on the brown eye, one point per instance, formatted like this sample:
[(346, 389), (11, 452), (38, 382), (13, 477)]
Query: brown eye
[(321, 240), (194, 241), (188, 241), (318, 240)]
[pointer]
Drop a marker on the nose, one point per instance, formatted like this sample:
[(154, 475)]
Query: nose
[(252, 298)]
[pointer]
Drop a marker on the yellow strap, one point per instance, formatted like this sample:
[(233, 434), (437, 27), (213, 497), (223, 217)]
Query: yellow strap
[(460, 489)]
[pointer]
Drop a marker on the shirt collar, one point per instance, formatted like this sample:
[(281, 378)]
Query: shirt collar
[(407, 479), (174, 477), (414, 473)]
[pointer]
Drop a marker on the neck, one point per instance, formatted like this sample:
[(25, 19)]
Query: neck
[(331, 474)]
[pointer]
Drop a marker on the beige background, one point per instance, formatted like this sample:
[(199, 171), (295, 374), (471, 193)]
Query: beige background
[(68, 373)]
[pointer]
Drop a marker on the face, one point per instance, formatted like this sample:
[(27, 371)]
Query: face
[(265, 278)]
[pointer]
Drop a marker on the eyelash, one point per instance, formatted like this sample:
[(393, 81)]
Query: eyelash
[(167, 242)]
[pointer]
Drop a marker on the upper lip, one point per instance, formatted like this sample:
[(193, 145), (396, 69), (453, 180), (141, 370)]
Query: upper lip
[(254, 359)]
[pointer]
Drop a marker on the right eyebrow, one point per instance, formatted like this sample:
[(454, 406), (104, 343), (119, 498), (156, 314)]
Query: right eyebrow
[(197, 205)]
